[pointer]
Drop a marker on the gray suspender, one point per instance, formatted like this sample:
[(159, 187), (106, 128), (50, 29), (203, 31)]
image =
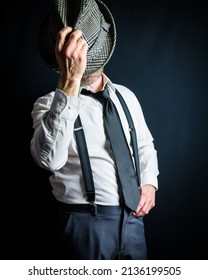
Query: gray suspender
[(132, 134), (84, 157), (84, 160)]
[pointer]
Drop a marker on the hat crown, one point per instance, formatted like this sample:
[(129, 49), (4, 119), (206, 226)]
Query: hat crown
[(68, 10), (92, 24), (95, 21)]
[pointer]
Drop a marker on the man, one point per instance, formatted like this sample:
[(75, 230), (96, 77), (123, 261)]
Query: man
[(97, 223)]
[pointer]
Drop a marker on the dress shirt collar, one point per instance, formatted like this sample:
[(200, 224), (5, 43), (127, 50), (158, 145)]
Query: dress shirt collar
[(106, 81)]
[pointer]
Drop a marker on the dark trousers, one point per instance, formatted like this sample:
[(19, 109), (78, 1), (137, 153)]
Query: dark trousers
[(112, 233)]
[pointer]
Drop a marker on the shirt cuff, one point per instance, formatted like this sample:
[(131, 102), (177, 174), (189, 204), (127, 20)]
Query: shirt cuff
[(149, 179), (68, 106)]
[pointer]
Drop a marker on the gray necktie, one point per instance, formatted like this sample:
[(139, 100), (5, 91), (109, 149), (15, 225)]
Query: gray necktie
[(120, 149)]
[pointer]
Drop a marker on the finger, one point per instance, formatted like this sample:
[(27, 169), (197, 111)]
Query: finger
[(75, 35), (140, 213), (84, 48), (141, 203), (81, 47), (72, 43), (61, 37), (147, 206)]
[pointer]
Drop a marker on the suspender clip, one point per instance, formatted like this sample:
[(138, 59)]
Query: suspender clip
[(132, 129), (93, 208)]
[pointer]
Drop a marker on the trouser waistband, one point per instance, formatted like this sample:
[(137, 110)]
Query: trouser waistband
[(95, 209)]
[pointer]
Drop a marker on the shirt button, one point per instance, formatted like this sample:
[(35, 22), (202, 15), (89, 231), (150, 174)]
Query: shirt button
[(61, 104), (54, 115)]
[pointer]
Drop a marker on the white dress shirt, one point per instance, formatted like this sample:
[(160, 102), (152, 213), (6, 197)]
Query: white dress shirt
[(53, 145)]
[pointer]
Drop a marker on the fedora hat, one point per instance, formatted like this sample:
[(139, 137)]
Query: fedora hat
[(95, 21)]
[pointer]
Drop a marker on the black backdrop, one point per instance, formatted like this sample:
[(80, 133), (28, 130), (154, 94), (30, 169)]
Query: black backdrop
[(161, 55)]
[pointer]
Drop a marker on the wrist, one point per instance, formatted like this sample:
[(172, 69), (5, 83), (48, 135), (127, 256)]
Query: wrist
[(69, 87)]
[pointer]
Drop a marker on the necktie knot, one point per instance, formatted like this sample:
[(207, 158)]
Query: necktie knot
[(100, 95), (104, 94)]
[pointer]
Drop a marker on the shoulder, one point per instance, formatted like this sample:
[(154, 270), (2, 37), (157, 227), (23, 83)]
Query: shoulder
[(122, 89), (126, 93)]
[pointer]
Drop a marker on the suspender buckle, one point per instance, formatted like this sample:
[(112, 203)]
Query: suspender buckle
[(93, 208)]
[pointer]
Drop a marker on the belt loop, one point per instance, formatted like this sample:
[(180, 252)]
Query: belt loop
[(93, 208)]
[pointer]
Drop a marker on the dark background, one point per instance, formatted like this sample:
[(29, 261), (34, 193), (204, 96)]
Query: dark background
[(161, 55)]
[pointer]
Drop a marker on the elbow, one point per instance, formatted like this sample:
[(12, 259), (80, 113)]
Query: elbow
[(44, 159)]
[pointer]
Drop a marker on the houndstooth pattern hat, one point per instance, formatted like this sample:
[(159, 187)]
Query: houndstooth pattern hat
[(95, 21)]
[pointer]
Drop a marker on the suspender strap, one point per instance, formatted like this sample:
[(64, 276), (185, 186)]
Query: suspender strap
[(84, 156), (84, 160), (132, 134)]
